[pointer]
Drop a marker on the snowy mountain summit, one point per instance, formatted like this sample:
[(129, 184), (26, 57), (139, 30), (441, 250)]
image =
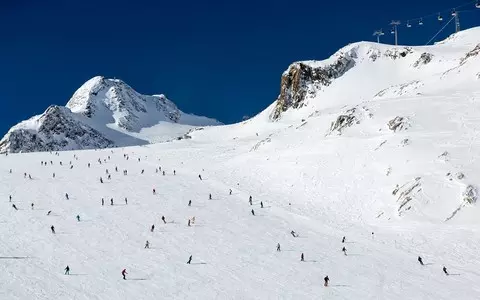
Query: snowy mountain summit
[(102, 113), (365, 70)]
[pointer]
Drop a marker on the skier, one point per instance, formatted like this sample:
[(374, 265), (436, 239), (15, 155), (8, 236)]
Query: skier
[(261, 204), (253, 212), (344, 251), (53, 175), (189, 260), (343, 240), (101, 180), (32, 205), (250, 200), (106, 171), (89, 165), (143, 171), (29, 176), (188, 222), (126, 201), (420, 260), (111, 201), (278, 247), (103, 202), (10, 197), (109, 176), (14, 206), (230, 191), (124, 272), (52, 228), (116, 169), (200, 176), (302, 258), (174, 172), (78, 218), (163, 173), (193, 220), (67, 270), (210, 196), (49, 212), (293, 233), (147, 245), (445, 270), (163, 219), (326, 279), (189, 202), (152, 228), (66, 196), (154, 192), (373, 235)]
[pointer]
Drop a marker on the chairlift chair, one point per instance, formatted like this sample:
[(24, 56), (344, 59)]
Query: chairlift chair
[(420, 22), (454, 13), (409, 25), (393, 31), (477, 5), (440, 18)]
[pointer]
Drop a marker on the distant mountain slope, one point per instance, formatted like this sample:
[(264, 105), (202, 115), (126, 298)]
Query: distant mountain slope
[(390, 130), (101, 113)]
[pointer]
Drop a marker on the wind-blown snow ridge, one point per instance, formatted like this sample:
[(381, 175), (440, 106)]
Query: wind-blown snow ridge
[(102, 113)]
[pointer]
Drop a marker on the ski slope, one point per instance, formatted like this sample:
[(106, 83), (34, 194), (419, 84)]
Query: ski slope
[(388, 146), (233, 252)]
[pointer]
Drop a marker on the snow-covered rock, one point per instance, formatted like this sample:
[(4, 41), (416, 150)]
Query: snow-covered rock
[(101, 113)]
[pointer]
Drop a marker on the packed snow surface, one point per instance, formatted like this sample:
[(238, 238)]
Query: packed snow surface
[(387, 155)]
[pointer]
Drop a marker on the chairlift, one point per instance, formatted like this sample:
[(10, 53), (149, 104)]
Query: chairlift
[(440, 18), (454, 13), (477, 5), (393, 31), (409, 25), (420, 22)]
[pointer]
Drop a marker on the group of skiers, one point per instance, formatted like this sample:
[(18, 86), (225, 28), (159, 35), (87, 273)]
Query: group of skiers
[(190, 220)]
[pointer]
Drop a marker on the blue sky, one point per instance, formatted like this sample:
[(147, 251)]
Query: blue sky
[(221, 59)]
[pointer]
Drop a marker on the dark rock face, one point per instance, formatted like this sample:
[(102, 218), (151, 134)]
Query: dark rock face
[(58, 131), (424, 59), (301, 80)]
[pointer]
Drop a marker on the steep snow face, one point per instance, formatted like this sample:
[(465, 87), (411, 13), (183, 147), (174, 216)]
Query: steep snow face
[(102, 113), (113, 101), (362, 71)]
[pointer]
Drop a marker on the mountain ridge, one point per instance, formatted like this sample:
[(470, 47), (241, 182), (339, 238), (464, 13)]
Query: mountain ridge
[(101, 113)]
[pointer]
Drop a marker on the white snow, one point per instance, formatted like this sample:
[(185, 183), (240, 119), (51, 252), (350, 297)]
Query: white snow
[(322, 182)]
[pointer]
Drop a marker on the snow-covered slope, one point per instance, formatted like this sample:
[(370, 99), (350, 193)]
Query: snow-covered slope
[(102, 113), (386, 142)]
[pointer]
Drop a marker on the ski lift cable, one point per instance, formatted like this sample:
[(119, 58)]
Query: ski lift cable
[(435, 14), (444, 26)]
